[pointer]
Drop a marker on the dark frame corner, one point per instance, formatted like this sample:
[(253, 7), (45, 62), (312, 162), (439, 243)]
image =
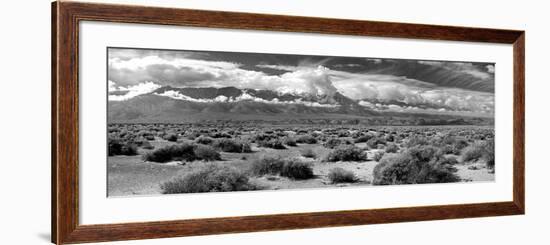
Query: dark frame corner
[(65, 139)]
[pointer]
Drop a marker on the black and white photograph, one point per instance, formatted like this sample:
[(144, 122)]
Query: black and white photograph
[(192, 121)]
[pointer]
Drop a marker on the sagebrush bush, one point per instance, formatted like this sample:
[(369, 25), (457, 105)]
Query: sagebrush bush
[(171, 137), (231, 145), (416, 141), (117, 147), (340, 175), (391, 148), (490, 154), (346, 153), (422, 164), (308, 153), (218, 135), (205, 140), (263, 137), (473, 152), (296, 169), (332, 143), (147, 145), (374, 142), (306, 139), (378, 155), (364, 138), (114, 147), (179, 152), (480, 150), (209, 178), (207, 153), (272, 143), (291, 168), (267, 165), (290, 141), (459, 144)]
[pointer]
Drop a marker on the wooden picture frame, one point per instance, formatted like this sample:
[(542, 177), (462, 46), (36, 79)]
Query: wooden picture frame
[(65, 122)]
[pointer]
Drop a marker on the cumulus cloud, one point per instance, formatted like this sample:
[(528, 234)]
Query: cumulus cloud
[(130, 74), (130, 91), (243, 97)]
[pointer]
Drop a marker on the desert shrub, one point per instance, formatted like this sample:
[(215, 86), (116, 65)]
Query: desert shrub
[(308, 153), (230, 145), (291, 168), (378, 155), (332, 143), (423, 164), (245, 147), (392, 148), (306, 139), (473, 152), (218, 135), (207, 153), (267, 165), (356, 134), (375, 141), (114, 147), (459, 144), (340, 175), (209, 178), (490, 153), (416, 141), (290, 141), (193, 135), (171, 137), (272, 143), (452, 144), (364, 138), (181, 152), (448, 162), (447, 149), (147, 145), (149, 137), (205, 140), (480, 150), (343, 133), (263, 137), (117, 147), (296, 169), (129, 149), (346, 153)]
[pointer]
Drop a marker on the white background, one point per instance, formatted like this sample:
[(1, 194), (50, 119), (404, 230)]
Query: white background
[(25, 57)]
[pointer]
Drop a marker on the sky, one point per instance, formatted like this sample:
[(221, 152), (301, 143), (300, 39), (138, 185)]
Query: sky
[(439, 87)]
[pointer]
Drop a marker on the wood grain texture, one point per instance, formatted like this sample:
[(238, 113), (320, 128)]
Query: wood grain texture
[(65, 136), (519, 122)]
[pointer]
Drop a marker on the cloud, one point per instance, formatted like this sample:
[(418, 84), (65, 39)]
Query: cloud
[(144, 71), (279, 67), (243, 97), (184, 72), (131, 91), (465, 67), (347, 65)]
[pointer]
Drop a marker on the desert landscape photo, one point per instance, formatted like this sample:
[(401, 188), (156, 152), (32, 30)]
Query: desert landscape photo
[(187, 121)]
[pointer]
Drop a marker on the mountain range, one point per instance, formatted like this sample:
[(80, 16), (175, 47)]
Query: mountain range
[(169, 104)]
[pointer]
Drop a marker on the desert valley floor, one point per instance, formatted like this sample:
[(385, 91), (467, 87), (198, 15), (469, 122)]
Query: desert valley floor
[(335, 156)]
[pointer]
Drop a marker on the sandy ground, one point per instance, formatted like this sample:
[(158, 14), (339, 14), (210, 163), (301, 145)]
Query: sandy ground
[(129, 175)]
